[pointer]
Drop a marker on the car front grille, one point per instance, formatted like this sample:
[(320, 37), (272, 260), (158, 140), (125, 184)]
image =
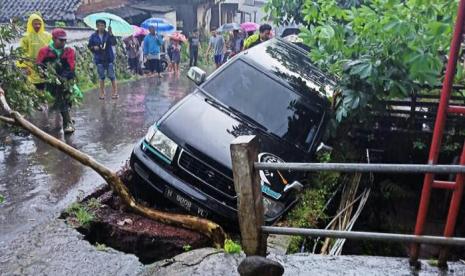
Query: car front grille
[(206, 174)]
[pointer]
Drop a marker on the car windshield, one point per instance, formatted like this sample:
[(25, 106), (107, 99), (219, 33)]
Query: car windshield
[(267, 102)]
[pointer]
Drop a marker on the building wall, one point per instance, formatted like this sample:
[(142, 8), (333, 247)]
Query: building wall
[(187, 17), (252, 10)]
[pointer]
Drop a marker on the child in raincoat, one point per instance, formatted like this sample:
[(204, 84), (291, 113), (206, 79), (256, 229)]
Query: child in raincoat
[(35, 38)]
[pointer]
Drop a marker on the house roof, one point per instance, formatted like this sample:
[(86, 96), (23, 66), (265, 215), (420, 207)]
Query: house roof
[(51, 10), (126, 12), (149, 6)]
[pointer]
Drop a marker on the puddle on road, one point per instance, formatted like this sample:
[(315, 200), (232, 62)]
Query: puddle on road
[(38, 182)]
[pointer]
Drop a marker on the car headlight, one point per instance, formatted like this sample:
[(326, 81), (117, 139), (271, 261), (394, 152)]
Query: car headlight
[(150, 134), (271, 207), (161, 143)]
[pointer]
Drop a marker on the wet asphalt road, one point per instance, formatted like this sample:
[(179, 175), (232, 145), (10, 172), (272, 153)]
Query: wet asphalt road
[(38, 182)]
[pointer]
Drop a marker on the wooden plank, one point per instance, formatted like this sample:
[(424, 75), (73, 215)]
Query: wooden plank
[(244, 152)]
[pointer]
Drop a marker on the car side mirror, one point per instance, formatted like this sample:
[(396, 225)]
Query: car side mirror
[(197, 75)]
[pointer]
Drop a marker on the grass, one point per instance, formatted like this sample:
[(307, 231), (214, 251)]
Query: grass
[(306, 214), (94, 204), (187, 247), (201, 61), (2, 199), (232, 247), (311, 207), (73, 208), (83, 215), (91, 85), (101, 247)]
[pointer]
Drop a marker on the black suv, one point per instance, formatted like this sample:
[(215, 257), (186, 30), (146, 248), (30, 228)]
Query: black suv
[(271, 90)]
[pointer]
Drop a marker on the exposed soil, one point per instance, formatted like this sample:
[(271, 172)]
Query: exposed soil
[(114, 226)]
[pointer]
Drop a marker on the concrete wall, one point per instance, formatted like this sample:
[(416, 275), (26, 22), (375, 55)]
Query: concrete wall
[(253, 12), (187, 17)]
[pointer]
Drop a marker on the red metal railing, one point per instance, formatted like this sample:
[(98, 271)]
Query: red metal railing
[(429, 182)]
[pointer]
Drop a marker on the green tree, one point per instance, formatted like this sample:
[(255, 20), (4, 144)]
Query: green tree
[(290, 11), (21, 95), (379, 49)]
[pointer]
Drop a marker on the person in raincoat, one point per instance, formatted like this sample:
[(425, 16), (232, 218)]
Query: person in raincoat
[(33, 40)]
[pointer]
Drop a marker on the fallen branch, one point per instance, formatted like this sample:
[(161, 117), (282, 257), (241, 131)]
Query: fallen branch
[(7, 120), (204, 226)]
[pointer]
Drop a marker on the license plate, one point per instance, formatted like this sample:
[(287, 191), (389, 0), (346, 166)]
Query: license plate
[(185, 203)]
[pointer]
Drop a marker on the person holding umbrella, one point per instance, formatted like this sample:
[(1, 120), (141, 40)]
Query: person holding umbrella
[(101, 44), (151, 46), (177, 39)]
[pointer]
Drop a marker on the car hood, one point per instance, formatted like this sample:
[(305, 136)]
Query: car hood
[(207, 131)]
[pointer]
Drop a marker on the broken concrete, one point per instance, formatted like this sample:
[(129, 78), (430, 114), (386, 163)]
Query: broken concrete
[(54, 248)]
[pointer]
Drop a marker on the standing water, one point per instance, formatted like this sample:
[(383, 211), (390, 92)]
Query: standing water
[(38, 181)]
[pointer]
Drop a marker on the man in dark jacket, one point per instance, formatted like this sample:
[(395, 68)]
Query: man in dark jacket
[(101, 44), (62, 59), (194, 47)]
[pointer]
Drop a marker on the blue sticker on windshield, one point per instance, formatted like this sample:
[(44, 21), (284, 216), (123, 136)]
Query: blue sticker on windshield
[(268, 191)]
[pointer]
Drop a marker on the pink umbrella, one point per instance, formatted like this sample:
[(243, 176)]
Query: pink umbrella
[(178, 36), (139, 31), (250, 26)]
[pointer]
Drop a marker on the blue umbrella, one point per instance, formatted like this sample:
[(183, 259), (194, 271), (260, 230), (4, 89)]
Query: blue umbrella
[(160, 24)]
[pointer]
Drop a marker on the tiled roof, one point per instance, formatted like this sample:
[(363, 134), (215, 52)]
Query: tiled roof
[(51, 10), (127, 12)]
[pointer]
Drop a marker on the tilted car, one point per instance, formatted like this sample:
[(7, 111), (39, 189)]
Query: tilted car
[(272, 91)]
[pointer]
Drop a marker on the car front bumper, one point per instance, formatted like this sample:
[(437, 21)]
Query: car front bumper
[(167, 183)]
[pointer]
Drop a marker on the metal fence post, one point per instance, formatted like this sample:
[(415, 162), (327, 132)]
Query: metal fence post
[(244, 152)]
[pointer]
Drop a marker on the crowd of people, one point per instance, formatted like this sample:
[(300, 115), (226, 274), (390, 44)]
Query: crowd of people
[(150, 52)]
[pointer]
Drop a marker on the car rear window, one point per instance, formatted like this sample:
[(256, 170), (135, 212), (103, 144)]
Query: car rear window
[(269, 103)]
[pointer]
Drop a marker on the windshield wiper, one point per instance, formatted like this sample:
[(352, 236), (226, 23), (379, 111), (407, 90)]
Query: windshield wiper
[(250, 121), (237, 114), (218, 105)]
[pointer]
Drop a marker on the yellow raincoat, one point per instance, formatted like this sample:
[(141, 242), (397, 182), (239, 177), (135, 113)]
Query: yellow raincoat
[(31, 42)]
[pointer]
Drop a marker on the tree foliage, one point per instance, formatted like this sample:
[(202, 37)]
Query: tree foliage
[(290, 11), (21, 95), (379, 49)]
